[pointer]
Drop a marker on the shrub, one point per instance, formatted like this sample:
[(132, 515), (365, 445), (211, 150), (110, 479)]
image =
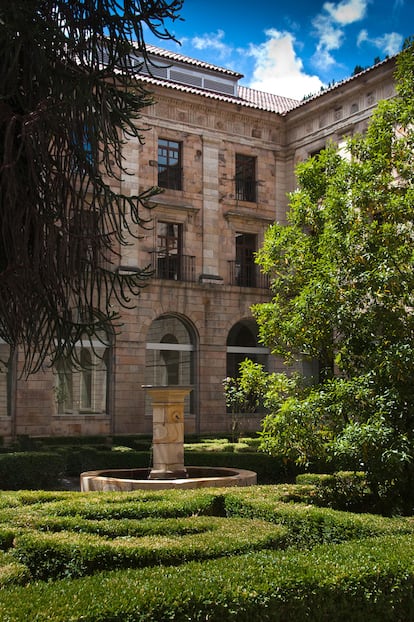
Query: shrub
[(12, 572), (273, 559), (30, 470), (362, 581), (308, 525), (85, 458), (66, 554), (270, 470), (344, 490)]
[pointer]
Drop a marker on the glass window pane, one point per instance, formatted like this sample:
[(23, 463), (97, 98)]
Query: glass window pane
[(169, 164)]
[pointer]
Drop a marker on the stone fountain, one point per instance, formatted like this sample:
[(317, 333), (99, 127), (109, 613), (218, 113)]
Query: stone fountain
[(168, 470)]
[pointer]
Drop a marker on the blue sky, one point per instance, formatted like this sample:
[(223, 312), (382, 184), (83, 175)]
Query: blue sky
[(291, 48)]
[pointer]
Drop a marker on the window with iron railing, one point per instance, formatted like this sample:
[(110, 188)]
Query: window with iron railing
[(244, 272), (173, 268), (169, 164), (247, 276), (245, 178), (168, 260)]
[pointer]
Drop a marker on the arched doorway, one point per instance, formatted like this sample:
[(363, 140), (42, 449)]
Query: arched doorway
[(170, 358)]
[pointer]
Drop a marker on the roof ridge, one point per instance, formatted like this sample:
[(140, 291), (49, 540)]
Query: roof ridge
[(336, 85)]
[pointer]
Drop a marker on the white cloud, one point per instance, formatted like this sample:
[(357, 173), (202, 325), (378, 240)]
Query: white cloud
[(279, 70), (322, 59), (347, 11), (389, 43), (328, 28), (330, 37), (212, 41)]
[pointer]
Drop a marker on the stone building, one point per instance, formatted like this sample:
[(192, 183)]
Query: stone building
[(225, 156)]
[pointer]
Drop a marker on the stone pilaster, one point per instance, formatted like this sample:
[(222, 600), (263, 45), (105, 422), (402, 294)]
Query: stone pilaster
[(211, 228)]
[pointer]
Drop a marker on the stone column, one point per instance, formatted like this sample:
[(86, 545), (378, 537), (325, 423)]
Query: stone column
[(168, 431)]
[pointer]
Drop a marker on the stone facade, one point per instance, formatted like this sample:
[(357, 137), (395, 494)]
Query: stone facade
[(192, 324)]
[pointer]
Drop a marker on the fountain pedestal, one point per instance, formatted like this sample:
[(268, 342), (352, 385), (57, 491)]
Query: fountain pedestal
[(168, 455), (168, 432)]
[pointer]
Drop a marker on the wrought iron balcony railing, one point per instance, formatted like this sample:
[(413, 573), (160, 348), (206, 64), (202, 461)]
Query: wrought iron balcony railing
[(247, 275), (245, 190), (173, 267)]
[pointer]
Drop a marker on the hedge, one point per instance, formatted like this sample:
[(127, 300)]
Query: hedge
[(66, 554), (31, 470), (269, 470), (309, 525), (263, 558), (43, 469), (343, 490), (363, 581)]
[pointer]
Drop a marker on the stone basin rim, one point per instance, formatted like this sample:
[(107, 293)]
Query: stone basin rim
[(136, 479)]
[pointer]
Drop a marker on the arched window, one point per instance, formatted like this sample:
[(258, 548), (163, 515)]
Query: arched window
[(83, 388), (170, 356), (241, 344)]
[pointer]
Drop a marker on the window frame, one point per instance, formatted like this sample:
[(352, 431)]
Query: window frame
[(72, 379), (169, 250), (246, 178), (246, 248), (174, 344), (170, 164)]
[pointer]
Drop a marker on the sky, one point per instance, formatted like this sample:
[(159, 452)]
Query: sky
[(291, 48)]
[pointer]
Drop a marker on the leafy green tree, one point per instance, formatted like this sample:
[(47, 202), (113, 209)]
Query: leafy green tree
[(244, 394), (342, 283), (68, 99)]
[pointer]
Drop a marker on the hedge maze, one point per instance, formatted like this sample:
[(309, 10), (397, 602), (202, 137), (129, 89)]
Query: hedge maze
[(219, 554)]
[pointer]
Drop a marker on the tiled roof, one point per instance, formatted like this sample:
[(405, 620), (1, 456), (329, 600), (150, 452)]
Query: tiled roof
[(267, 101), (248, 98), (336, 85), (175, 56)]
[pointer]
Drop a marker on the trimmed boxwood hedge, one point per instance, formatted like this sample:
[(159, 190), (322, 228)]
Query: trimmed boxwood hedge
[(31, 470), (363, 581), (269, 470), (43, 469), (66, 554), (309, 525), (263, 558)]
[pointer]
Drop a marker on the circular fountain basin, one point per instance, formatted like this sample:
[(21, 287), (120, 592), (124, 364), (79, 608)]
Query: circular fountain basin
[(137, 479)]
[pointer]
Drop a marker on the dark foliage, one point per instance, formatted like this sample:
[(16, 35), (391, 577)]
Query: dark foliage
[(68, 100)]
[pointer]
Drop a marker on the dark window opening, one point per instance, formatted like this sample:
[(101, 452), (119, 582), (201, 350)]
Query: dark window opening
[(169, 164), (246, 244), (245, 178), (169, 250)]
